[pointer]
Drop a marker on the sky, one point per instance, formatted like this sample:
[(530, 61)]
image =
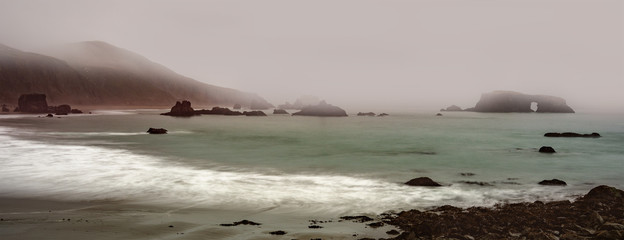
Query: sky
[(355, 53)]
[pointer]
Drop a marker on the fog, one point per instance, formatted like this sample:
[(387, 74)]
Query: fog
[(357, 54)]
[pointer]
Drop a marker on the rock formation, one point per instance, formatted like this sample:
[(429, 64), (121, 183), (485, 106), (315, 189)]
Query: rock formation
[(506, 101), (322, 110), (571, 134), (61, 109), (157, 131), (279, 111), (553, 182), (452, 108), (370, 114), (219, 111), (382, 115), (547, 149), (181, 109), (422, 181), (32, 103), (254, 113)]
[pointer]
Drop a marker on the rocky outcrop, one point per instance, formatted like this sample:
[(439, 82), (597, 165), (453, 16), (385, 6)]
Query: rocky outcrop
[(254, 113), (322, 110), (506, 101), (157, 131), (181, 109), (597, 215), (547, 149), (32, 103), (219, 111), (553, 182), (279, 111), (370, 114), (572, 134), (422, 181), (452, 108)]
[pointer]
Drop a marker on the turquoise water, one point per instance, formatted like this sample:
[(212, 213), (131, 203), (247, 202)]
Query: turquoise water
[(300, 164)]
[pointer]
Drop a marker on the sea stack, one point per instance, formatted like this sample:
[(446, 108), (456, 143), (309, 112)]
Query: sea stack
[(181, 109), (507, 101), (32, 103), (322, 110)]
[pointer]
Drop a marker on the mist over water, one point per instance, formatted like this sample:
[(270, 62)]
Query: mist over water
[(306, 164)]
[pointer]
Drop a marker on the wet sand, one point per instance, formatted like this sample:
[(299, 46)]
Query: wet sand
[(46, 219)]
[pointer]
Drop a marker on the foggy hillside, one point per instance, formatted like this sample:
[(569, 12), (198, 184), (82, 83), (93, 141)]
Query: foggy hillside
[(97, 73)]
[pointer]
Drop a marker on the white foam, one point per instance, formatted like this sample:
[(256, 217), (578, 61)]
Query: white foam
[(73, 172)]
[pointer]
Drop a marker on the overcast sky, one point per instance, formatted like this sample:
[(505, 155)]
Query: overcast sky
[(356, 52)]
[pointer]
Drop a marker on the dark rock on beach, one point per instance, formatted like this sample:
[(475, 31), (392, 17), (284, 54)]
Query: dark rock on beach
[(243, 222), (547, 149), (181, 109), (279, 111), (553, 182), (597, 215), (322, 110), (422, 181), (572, 134), (157, 131)]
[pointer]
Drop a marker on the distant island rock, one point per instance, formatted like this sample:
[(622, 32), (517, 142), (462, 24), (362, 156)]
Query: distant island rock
[(452, 108), (572, 134), (370, 114), (181, 109), (279, 111), (322, 110), (507, 101)]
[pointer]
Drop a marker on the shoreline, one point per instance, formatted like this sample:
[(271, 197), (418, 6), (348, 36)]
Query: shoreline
[(596, 215)]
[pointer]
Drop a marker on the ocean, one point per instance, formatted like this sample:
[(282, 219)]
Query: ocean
[(307, 165)]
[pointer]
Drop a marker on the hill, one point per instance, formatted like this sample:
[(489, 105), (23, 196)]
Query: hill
[(98, 73)]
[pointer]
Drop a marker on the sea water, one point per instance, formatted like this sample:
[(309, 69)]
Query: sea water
[(307, 165)]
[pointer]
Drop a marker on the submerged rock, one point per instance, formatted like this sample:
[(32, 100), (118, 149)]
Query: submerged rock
[(547, 149), (422, 181), (572, 134), (553, 182), (157, 131)]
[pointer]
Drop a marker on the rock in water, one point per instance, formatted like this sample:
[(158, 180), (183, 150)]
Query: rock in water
[(506, 101), (157, 131), (254, 113), (32, 103), (439, 115), (572, 134), (547, 149), (370, 114), (452, 108), (62, 109), (181, 109), (279, 111), (422, 181), (322, 110), (553, 182)]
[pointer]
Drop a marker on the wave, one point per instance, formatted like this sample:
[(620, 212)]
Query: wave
[(74, 172)]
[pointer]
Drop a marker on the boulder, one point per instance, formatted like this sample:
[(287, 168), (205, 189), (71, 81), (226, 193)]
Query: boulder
[(32, 103), (547, 149), (370, 114), (507, 101), (572, 134), (62, 109), (254, 113), (279, 111), (322, 110), (157, 131), (604, 193), (553, 182), (49, 115), (422, 181), (181, 109)]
